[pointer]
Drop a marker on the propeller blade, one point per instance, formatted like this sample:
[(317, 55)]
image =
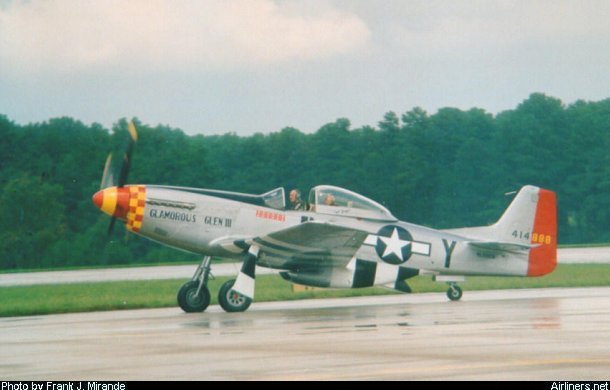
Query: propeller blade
[(127, 158), (131, 127), (124, 172), (111, 226), (108, 175)]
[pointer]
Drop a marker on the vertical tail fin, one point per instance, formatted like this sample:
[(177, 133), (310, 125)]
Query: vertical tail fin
[(531, 218)]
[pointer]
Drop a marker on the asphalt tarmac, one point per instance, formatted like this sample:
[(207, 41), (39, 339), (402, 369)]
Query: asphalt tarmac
[(538, 334)]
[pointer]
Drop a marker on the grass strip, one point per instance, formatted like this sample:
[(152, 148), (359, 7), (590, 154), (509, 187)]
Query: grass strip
[(83, 297)]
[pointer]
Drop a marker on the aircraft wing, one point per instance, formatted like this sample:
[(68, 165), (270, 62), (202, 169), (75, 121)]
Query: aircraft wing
[(310, 245), (500, 246)]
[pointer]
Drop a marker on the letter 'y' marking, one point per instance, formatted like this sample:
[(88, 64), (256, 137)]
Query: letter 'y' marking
[(448, 251)]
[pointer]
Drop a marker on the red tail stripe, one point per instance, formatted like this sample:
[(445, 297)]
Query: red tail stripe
[(543, 258)]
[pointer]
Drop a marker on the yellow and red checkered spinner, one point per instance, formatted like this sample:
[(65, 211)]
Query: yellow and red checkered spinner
[(127, 203)]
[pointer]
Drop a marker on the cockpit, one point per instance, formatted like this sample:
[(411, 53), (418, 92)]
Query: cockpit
[(332, 200), (325, 199)]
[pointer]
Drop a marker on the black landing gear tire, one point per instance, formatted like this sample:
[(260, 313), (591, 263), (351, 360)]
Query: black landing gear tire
[(189, 301), (232, 301), (454, 292)]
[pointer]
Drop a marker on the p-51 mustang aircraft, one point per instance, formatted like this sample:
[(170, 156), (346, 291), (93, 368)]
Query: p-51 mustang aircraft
[(342, 240)]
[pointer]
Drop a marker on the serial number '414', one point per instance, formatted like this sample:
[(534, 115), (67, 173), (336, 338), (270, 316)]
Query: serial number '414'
[(521, 234), (536, 237)]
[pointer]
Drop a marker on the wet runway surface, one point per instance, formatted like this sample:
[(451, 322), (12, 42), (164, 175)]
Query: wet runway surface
[(544, 334)]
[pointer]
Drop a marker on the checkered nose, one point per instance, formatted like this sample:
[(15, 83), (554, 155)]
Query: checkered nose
[(113, 201)]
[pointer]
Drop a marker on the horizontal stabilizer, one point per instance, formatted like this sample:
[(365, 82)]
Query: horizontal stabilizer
[(501, 246)]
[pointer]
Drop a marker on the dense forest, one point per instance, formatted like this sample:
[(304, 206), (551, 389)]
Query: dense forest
[(448, 169)]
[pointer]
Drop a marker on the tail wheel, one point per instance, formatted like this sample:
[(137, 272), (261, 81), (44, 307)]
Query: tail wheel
[(190, 301), (454, 292), (232, 301)]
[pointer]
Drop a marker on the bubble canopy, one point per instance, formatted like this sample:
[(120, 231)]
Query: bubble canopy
[(325, 199)]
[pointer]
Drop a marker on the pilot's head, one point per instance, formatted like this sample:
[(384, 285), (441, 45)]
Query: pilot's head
[(294, 195), (329, 200)]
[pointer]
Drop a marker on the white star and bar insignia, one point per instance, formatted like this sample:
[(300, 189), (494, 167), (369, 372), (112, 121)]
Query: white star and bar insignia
[(395, 245)]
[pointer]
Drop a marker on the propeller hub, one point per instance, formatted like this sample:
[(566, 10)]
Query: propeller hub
[(113, 201)]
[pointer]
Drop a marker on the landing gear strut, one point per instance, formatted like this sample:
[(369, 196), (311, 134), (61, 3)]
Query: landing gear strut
[(454, 292), (194, 295)]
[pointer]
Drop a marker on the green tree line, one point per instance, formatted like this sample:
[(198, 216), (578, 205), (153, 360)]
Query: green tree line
[(448, 169)]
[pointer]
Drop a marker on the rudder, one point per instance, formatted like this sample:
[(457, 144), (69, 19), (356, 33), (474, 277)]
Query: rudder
[(543, 259)]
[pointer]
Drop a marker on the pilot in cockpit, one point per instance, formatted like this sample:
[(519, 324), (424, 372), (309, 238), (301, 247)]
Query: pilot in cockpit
[(295, 200), (329, 200)]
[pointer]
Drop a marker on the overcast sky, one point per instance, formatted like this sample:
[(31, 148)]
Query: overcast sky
[(248, 66)]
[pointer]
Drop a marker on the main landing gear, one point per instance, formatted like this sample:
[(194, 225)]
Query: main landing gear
[(232, 301), (194, 295)]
